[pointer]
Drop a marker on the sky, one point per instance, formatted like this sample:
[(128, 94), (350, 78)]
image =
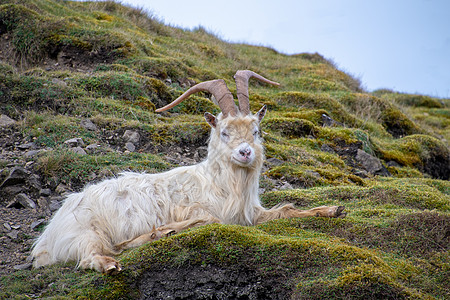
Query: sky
[(403, 45)]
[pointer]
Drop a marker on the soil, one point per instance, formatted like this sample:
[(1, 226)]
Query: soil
[(210, 282)]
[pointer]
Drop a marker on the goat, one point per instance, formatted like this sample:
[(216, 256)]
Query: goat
[(125, 212)]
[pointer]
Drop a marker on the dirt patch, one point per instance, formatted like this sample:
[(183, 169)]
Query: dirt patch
[(19, 228), (210, 282)]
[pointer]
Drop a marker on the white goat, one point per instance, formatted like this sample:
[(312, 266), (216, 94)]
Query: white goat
[(128, 211)]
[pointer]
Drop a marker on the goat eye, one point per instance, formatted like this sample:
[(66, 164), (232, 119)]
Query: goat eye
[(225, 136), (256, 132)]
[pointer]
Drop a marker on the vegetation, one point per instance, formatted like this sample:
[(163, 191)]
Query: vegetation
[(63, 61)]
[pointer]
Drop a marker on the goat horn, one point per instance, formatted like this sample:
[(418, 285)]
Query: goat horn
[(216, 87), (241, 77)]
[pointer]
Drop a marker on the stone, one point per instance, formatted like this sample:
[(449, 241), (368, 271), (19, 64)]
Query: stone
[(286, 186), (62, 188), (7, 226), (36, 223), (131, 136), (392, 163), (34, 181), (274, 161), (6, 121), (91, 148), (25, 201), (327, 148), (75, 142), (13, 234), (370, 163), (59, 82), (327, 121), (17, 175), (31, 153), (88, 124), (45, 192), (130, 147), (24, 266), (78, 150), (27, 146), (54, 205)]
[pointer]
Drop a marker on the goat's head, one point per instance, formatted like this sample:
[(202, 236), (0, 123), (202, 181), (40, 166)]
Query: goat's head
[(235, 132)]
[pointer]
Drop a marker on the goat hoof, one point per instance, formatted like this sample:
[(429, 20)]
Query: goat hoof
[(168, 232), (340, 213), (113, 269)]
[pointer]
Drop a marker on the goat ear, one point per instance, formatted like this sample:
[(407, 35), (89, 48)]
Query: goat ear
[(211, 119), (261, 113)]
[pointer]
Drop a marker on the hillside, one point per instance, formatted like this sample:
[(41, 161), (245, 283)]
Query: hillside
[(79, 83)]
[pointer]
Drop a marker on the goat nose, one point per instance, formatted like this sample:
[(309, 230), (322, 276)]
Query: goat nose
[(245, 152)]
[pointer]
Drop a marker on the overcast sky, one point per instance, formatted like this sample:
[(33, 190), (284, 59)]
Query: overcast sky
[(402, 45)]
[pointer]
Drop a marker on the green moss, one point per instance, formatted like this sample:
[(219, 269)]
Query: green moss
[(397, 123), (312, 115), (291, 128), (417, 100), (76, 170), (314, 101), (311, 84), (389, 195), (427, 153), (159, 67), (186, 133)]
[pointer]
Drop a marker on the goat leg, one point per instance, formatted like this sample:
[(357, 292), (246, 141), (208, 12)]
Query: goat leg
[(289, 211)]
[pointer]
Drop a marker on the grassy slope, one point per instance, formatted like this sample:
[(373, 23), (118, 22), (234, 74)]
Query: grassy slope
[(394, 242)]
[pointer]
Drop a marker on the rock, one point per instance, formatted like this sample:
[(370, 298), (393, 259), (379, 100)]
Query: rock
[(17, 175), (54, 205), (14, 190), (25, 201), (13, 234), (313, 173), (370, 163), (59, 82), (34, 181), (31, 153), (361, 173), (130, 147), (6, 121), (27, 146), (286, 186), (88, 124), (43, 202), (327, 148), (24, 266), (7, 226), (45, 192), (392, 163), (274, 161), (36, 223), (131, 136), (75, 142), (327, 121), (91, 148), (62, 188), (78, 150)]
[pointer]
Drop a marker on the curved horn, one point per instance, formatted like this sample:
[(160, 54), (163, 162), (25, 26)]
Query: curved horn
[(241, 77), (216, 87)]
